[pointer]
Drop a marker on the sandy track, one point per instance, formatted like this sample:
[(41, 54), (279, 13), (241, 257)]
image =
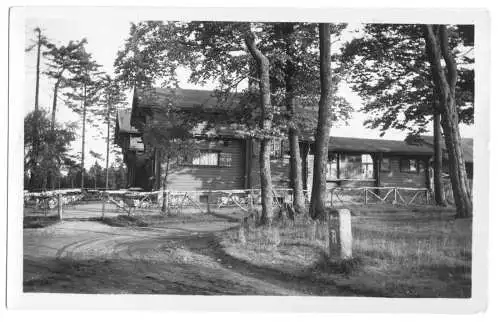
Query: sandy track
[(89, 257)]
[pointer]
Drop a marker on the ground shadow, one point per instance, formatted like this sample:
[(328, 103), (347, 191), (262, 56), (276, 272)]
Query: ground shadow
[(305, 282)]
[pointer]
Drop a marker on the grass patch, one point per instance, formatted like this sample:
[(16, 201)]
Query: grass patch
[(122, 221), (37, 222), (153, 218), (427, 255)]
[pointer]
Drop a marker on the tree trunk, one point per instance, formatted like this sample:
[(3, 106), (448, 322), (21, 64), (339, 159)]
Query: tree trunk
[(438, 160), (437, 45), (83, 134), (293, 137), (266, 127), (37, 81), (296, 172), (317, 209), (36, 143), (54, 104), (107, 149), (51, 177)]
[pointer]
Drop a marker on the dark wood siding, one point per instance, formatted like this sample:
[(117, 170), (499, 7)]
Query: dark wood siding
[(350, 183), (394, 177), (280, 169), (190, 178)]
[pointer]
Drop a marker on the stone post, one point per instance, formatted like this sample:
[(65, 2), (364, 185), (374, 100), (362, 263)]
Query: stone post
[(331, 238), (345, 234)]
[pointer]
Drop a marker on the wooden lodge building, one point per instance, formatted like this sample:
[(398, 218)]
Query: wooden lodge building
[(228, 160)]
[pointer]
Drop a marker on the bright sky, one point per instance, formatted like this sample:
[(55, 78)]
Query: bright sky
[(105, 37)]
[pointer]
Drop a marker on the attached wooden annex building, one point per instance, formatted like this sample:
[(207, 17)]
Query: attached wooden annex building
[(226, 159)]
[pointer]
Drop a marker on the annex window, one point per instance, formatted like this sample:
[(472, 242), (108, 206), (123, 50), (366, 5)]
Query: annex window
[(209, 158), (408, 165), (276, 148), (331, 166), (385, 165), (421, 166), (225, 159), (366, 166), (356, 166), (206, 158)]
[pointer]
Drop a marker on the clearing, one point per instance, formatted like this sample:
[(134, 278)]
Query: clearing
[(398, 253)]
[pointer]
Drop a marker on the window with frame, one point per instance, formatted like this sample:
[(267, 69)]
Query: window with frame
[(276, 148), (408, 165), (225, 159), (209, 158), (331, 166), (421, 166), (385, 164), (366, 166), (356, 166), (206, 158)]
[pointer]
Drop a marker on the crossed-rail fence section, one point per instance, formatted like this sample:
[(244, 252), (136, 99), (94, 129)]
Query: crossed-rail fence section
[(246, 199)]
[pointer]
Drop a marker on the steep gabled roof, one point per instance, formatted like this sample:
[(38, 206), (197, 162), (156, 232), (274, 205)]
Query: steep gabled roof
[(123, 122), (205, 105), (346, 144), (181, 99)]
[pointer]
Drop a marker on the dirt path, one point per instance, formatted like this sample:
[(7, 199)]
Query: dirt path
[(89, 257)]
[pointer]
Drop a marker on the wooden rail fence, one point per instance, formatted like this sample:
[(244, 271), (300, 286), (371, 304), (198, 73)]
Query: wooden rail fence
[(206, 200), (379, 195)]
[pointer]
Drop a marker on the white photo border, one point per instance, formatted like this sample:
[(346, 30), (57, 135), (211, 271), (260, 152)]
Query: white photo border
[(17, 299)]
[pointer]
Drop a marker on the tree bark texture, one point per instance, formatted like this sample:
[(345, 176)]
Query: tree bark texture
[(83, 134), (37, 84), (107, 147), (436, 38), (317, 209), (54, 104), (293, 136), (51, 177), (266, 126), (36, 143), (438, 159)]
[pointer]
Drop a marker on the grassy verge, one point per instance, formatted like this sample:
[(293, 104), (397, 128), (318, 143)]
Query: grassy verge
[(39, 221), (153, 218), (403, 256), (122, 221)]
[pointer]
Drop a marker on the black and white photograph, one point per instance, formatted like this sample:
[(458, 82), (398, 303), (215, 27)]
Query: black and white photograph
[(208, 154)]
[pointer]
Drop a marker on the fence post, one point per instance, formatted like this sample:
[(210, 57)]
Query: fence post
[(208, 200), (427, 196), (395, 195), (366, 196), (345, 234), (251, 199), (59, 207), (103, 205)]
